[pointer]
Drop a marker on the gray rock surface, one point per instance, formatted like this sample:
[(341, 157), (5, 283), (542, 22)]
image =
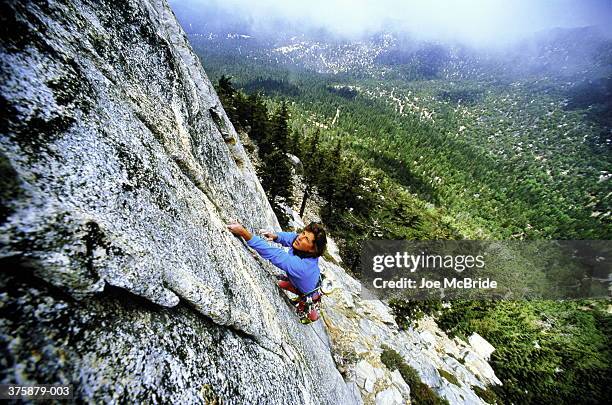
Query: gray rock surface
[(120, 170), (360, 325)]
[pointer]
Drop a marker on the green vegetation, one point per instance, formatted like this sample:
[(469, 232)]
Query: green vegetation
[(486, 394), (420, 393), (546, 351), (449, 377), (408, 311), (465, 160), (491, 159), (362, 202), (430, 153)]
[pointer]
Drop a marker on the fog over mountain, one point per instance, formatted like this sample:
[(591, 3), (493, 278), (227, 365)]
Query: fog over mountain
[(474, 22)]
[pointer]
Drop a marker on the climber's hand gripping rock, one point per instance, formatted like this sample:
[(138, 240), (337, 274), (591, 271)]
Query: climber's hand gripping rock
[(239, 230), (269, 235)]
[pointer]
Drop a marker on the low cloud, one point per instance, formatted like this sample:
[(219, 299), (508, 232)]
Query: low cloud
[(476, 22)]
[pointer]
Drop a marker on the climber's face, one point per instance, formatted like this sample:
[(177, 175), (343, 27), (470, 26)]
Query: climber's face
[(305, 242)]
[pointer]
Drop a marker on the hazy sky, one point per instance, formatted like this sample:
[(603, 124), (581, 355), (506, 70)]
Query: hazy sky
[(473, 21)]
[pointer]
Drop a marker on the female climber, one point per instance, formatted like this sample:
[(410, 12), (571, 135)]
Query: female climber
[(301, 263)]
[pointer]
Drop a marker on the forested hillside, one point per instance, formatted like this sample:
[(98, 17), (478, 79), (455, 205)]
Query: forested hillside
[(424, 141)]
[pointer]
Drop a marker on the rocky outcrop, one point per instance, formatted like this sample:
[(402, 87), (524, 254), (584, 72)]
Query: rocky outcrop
[(120, 170), (360, 325)]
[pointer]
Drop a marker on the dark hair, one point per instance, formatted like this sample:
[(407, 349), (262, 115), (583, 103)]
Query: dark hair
[(320, 241), (320, 237)]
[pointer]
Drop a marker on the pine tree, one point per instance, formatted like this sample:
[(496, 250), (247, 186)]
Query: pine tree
[(313, 162), (276, 181), (273, 139), (258, 120), (280, 128), (330, 162), (243, 110), (226, 92), (225, 88)]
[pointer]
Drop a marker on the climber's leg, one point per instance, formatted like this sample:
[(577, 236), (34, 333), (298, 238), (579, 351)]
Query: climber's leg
[(286, 285), (313, 315)]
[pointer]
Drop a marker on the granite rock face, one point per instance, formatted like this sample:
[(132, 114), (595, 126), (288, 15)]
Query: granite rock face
[(119, 171)]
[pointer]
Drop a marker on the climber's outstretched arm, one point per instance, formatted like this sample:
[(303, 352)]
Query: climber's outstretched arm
[(285, 238), (295, 267)]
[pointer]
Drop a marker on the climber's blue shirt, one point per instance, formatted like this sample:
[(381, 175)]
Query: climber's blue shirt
[(303, 273)]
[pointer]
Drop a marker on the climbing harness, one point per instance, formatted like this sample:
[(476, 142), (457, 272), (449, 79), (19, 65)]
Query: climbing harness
[(308, 305)]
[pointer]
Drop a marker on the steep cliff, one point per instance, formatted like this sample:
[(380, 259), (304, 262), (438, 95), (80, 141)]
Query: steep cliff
[(119, 170)]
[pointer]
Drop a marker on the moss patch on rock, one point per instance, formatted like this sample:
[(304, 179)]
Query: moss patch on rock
[(451, 378), (420, 393)]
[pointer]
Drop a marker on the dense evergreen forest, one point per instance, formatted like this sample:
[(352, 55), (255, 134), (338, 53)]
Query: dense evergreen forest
[(436, 146)]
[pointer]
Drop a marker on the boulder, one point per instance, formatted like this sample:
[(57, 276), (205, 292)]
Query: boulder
[(481, 346)]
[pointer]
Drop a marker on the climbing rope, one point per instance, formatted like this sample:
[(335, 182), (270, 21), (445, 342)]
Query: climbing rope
[(319, 337)]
